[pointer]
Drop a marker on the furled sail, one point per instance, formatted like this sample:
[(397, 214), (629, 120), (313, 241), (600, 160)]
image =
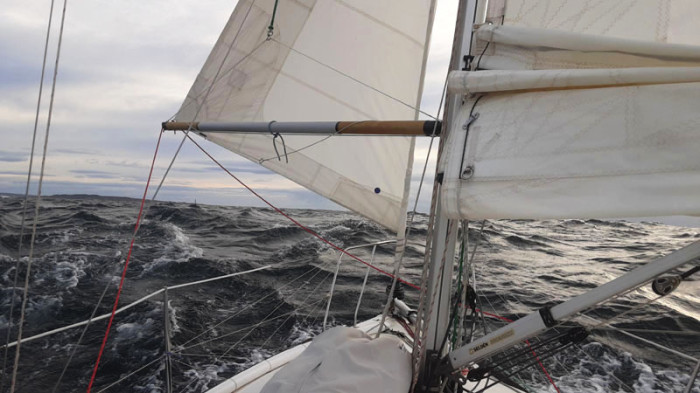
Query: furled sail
[(580, 110), (339, 60)]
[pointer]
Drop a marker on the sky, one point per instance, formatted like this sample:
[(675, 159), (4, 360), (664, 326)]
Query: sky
[(125, 66)]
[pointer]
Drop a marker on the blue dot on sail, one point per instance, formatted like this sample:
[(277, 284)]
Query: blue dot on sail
[(377, 190)]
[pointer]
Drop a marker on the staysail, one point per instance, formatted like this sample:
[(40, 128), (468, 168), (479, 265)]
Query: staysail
[(581, 110), (340, 60)]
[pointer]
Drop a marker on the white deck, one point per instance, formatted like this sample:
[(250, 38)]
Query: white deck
[(253, 379)]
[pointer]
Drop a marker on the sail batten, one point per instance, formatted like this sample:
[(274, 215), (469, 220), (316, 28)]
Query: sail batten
[(326, 61)]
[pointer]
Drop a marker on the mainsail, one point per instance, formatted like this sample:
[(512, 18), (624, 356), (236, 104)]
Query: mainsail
[(347, 60), (582, 110)]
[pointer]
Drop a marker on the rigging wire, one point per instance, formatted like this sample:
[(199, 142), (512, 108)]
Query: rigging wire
[(303, 303), (265, 319), (252, 328), (402, 248), (480, 309), (247, 306), (228, 334), (38, 199), (297, 223), (126, 266), (159, 358), (26, 197), (338, 132), (133, 236), (186, 135), (416, 354)]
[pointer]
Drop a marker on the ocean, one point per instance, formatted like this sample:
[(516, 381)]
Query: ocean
[(219, 328)]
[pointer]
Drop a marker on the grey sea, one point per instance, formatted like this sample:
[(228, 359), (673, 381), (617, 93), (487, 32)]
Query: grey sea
[(221, 327)]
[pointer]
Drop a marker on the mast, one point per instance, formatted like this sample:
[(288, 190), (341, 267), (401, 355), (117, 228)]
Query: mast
[(441, 259)]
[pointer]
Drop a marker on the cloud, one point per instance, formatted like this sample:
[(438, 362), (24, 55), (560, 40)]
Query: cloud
[(12, 156), (116, 83), (94, 174)]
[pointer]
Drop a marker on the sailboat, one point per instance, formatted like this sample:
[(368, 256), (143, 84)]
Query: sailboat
[(555, 109)]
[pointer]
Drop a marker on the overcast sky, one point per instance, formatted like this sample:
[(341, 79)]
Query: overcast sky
[(125, 67)]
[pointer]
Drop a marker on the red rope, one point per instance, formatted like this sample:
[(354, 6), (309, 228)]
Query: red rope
[(126, 265), (529, 346), (297, 223)]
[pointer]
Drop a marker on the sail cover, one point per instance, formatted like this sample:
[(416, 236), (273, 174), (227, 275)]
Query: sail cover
[(339, 60), (584, 110)]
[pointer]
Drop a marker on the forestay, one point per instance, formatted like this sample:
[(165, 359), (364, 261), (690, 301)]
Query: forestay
[(325, 61), (584, 110)]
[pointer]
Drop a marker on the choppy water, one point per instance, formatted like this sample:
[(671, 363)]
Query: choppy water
[(521, 266)]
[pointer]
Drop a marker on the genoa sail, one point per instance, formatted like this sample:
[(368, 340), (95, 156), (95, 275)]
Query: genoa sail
[(582, 111), (345, 60)]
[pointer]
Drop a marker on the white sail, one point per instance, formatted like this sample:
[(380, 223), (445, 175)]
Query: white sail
[(586, 110), (335, 60)]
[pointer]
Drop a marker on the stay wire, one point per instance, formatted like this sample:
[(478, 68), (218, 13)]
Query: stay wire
[(339, 132), (303, 303), (297, 223), (24, 203), (38, 200), (263, 321), (399, 262), (160, 358), (109, 284), (201, 105), (231, 333), (185, 344), (126, 266)]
